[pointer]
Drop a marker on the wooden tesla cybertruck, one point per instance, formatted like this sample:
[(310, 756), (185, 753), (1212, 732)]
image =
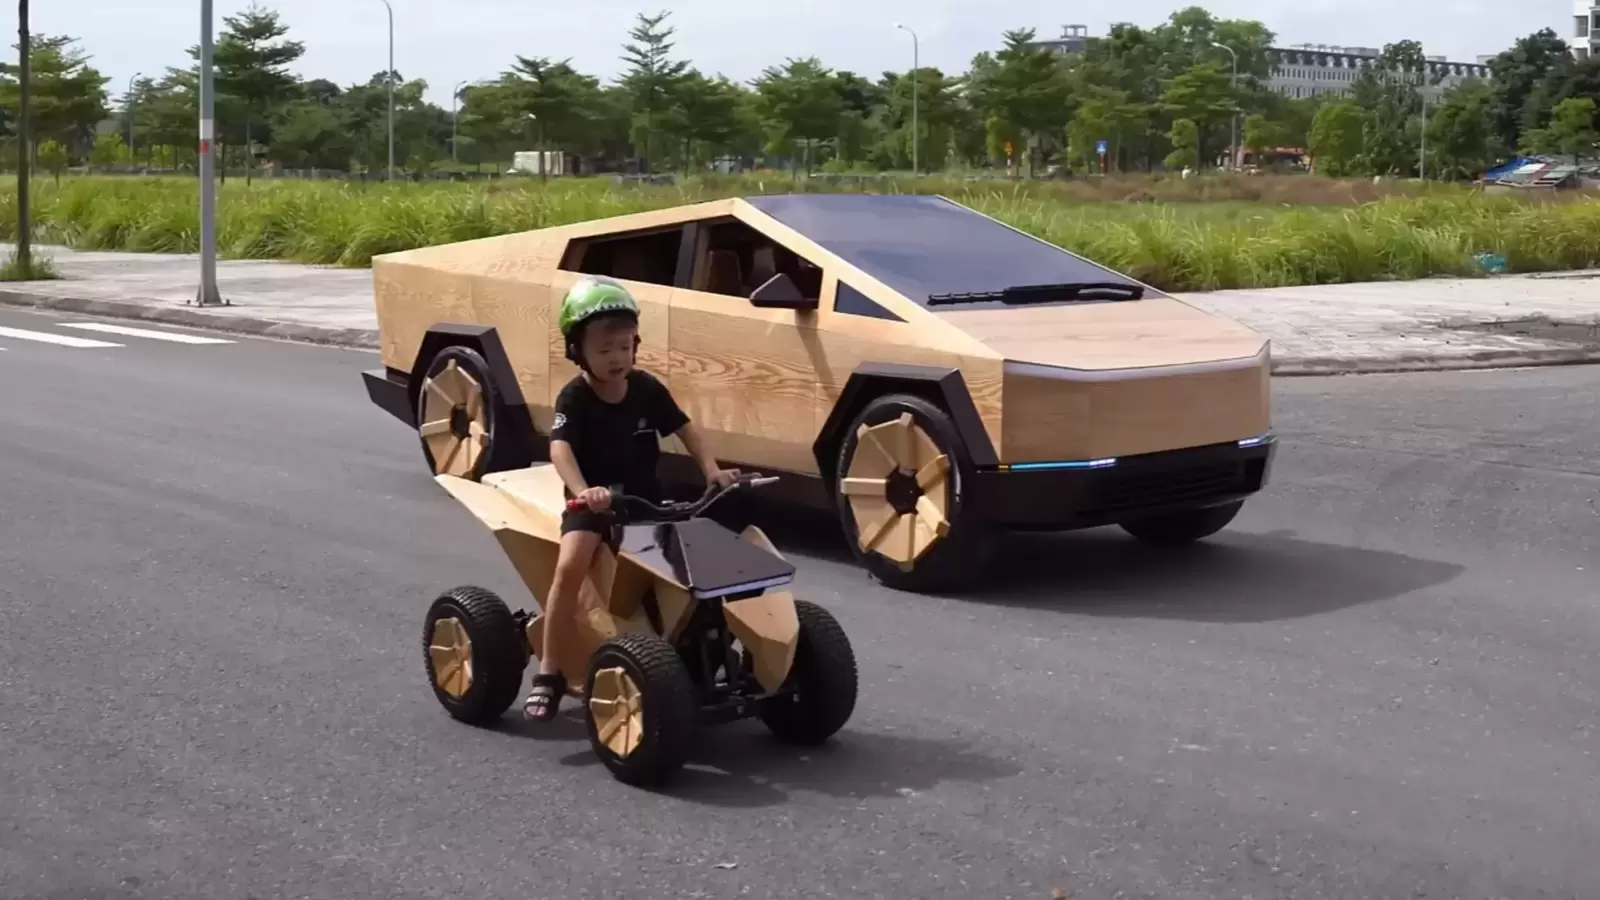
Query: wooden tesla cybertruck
[(932, 375)]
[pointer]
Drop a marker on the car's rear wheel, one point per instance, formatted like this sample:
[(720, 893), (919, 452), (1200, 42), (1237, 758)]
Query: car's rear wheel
[(459, 410), (898, 491), (1184, 526)]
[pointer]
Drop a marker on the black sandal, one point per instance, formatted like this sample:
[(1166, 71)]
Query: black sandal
[(545, 698)]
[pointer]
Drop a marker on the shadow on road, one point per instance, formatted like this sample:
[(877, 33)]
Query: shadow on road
[(742, 766), (1232, 577)]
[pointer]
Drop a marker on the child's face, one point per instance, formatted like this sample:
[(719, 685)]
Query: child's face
[(608, 347)]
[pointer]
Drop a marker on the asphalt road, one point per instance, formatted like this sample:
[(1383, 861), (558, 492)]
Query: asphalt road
[(1380, 683)]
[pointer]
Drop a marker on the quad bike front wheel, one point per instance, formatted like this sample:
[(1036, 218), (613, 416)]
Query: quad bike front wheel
[(643, 711), (1184, 526), (900, 471), (824, 682), (458, 411), (474, 654)]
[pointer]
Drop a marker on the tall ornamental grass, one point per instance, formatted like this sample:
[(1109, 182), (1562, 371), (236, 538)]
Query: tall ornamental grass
[(1177, 234)]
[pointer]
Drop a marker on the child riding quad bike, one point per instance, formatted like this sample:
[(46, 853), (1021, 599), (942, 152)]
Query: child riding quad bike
[(681, 623)]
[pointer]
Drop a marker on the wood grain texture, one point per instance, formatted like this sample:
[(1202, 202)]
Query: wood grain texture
[(1160, 331), (1049, 419)]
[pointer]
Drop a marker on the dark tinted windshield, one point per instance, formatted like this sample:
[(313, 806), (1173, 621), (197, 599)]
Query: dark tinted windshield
[(925, 246)]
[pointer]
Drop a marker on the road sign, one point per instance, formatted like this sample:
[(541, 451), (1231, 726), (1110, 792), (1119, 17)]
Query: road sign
[(1100, 147)]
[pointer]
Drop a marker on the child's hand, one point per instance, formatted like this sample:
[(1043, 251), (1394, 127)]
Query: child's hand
[(596, 498), (722, 477)]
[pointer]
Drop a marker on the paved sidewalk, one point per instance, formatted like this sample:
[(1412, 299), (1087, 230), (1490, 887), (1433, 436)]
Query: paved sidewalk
[(1387, 326)]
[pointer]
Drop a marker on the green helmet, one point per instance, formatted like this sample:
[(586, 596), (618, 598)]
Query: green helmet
[(591, 296)]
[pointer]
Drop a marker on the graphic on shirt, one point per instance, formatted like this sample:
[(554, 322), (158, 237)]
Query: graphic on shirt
[(561, 419)]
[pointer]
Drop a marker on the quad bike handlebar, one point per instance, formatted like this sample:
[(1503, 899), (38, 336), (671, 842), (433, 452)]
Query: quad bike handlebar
[(673, 511)]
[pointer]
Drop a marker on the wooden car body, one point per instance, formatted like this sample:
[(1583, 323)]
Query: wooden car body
[(1072, 413)]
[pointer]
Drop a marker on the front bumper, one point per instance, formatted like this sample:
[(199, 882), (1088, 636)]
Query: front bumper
[(389, 389), (1089, 493)]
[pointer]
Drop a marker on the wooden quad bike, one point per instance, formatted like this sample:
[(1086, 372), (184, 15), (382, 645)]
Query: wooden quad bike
[(684, 624)]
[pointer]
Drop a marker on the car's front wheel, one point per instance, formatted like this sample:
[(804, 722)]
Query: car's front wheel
[(898, 492)]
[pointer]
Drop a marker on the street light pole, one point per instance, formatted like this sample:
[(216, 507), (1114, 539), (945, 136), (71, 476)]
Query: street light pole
[(916, 136), (129, 112), (1233, 142), (390, 78), (455, 113), (207, 295)]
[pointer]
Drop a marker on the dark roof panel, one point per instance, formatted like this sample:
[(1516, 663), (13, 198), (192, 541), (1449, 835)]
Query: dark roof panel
[(921, 245)]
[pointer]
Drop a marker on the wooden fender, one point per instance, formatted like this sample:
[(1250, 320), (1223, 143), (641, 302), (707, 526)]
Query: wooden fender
[(770, 629)]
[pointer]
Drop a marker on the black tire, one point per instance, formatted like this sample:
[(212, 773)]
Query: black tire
[(669, 708), (951, 562), (1182, 527), (824, 679), (499, 653), (495, 411)]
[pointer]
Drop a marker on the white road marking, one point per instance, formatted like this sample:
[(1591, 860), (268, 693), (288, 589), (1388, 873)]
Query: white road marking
[(45, 337), (145, 333)]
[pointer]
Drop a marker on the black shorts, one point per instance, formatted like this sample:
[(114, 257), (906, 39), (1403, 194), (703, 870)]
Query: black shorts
[(603, 524)]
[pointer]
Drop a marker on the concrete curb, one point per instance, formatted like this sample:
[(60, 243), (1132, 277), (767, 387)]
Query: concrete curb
[(362, 338), (367, 339)]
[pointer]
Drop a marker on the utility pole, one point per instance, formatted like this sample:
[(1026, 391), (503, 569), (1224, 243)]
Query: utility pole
[(128, 111), (24, 146), (390, 79), (207, 295), (916, 136), (1233, 142)]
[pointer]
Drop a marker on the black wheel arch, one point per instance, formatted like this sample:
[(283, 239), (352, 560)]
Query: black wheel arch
[(527, 445), (942, 386)]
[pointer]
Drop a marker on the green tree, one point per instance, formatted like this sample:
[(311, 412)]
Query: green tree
[(1185, 137), (1389, 95), (651, 79), (709, 113), (1336, 137), (800, 105), (1025, 93), (1460, 138), (1260, 135), (1105, 114), (1526, 79), (252, 61), (52, 158), (558, 99), (1571, 130), (1203, 96), (67, 97)]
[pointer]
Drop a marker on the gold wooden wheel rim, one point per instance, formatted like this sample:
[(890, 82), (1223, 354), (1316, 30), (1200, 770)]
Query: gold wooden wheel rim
[(893, 518), (617, 708), (450, 649), (449, 400)]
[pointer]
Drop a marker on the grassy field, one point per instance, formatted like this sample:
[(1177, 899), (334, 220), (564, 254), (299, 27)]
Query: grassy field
[(1195, 234)]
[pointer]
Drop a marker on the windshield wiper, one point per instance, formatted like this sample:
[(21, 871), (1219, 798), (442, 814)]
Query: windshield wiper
[(1046, 293)]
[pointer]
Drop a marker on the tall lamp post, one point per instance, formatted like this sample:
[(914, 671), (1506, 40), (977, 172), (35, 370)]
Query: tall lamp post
[(24, 144), (455, 113), (207, 295), (916, 136), (390, 78), (1233, 143)]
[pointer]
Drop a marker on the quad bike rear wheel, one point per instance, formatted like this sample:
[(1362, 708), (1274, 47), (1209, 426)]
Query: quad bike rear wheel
[(474, 654), (458, 412), (1184, 526), (901, 469), (824, 680), (643, 712)]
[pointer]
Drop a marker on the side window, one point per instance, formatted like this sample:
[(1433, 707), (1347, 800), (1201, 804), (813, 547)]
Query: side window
[(650, 257), (737, 259), (852, 302)]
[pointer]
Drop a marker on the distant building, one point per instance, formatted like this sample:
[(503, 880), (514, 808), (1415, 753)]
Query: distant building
[(1309, 70), (1585, 28)]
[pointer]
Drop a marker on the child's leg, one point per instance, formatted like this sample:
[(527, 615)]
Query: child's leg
[(572, 566)]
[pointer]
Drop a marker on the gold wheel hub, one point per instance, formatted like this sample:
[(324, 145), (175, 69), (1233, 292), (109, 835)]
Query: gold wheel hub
[(450, 649), (617, 708), (453, 420), (898, 489)]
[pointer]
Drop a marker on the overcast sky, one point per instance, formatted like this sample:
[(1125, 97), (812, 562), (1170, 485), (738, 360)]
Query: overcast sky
[(449, 42)]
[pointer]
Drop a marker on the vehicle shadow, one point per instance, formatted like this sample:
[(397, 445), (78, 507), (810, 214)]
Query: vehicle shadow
[(1233, 577), (741, 766)]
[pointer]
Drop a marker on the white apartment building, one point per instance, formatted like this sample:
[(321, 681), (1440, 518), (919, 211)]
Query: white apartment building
[(1309, 70), (1585, 28)]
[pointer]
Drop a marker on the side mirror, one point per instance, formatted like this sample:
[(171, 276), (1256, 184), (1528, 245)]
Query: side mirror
[(780, 292)]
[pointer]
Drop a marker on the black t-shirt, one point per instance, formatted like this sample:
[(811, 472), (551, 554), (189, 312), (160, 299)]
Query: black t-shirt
[(616, 443)]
